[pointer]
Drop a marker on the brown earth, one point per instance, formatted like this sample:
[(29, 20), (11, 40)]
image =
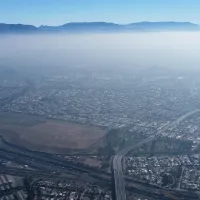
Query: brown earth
[(52, 136), (92, 162)]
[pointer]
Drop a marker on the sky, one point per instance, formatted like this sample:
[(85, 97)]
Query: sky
[(57, 12)]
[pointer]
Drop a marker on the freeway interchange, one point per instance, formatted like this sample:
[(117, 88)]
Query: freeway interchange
[(50, 166), (120, 192)]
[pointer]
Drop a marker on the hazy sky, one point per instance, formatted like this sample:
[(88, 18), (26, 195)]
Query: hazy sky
[(56, 12), (170, 50)]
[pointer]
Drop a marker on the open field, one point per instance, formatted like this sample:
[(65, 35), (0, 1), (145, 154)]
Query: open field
[(48, 135)]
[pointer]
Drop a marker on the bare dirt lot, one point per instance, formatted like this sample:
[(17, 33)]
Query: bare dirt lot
[(49, 135)]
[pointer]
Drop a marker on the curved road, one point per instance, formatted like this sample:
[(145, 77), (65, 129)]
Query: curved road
[(120, 192)]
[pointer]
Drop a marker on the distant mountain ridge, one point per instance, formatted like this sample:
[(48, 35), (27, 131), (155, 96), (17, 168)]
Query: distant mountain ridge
[(79, 27), (9, 28)]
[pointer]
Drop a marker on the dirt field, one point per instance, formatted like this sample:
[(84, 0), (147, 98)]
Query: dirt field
[(50, 135)]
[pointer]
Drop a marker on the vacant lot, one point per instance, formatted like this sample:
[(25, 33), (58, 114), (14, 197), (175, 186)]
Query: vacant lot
[(48, 135)]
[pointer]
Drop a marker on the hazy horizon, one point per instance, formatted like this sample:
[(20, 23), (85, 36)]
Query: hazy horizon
[(166, 49)]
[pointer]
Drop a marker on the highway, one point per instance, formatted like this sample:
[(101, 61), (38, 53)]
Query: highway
[(43, 164), (35, 173), (120, 192)]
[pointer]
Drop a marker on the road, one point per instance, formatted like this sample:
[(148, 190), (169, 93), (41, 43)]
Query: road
[(120, 192), (36, 173)]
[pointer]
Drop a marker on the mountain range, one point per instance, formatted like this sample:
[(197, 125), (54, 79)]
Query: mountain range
[(80, 27)]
